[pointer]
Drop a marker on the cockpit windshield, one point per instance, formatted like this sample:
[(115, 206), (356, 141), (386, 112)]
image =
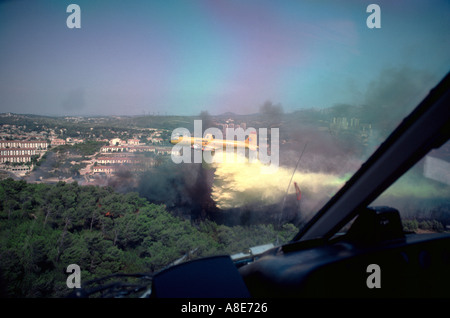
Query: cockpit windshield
[(138, 135)]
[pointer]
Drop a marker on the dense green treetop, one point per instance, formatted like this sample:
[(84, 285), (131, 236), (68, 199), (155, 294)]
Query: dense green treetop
[(44, 228)]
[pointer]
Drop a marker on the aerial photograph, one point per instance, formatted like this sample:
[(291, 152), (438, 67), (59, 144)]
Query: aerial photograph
[(225, 153)]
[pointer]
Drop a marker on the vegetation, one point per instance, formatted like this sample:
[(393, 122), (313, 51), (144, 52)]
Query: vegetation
[(44, 228), (87, 148), (413, 225)]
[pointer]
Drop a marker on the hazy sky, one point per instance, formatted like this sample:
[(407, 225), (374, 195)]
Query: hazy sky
[(183, 56)]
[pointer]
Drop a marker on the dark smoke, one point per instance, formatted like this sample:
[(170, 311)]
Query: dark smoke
[(271, 114), (207, 120), (184, 188), (123, 181), (388, 99), (324, 151), (393, 95)]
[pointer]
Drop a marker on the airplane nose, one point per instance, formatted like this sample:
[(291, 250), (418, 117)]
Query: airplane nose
[(176, 139)]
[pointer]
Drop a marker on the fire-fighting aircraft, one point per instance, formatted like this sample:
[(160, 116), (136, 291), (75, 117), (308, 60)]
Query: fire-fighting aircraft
[(209, 143)]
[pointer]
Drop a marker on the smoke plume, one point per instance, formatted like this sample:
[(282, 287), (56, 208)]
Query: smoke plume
[(183, 188)]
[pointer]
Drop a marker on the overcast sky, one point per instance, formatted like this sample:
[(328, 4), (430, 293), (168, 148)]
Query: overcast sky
[(185, 56)]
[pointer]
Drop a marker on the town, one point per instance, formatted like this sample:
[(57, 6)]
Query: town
[(86, 151)]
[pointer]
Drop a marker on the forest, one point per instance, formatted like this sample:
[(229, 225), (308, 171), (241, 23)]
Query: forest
[(46, 227)]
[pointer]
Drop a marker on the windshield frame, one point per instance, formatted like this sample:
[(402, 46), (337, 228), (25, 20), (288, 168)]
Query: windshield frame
[(427, 127)]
